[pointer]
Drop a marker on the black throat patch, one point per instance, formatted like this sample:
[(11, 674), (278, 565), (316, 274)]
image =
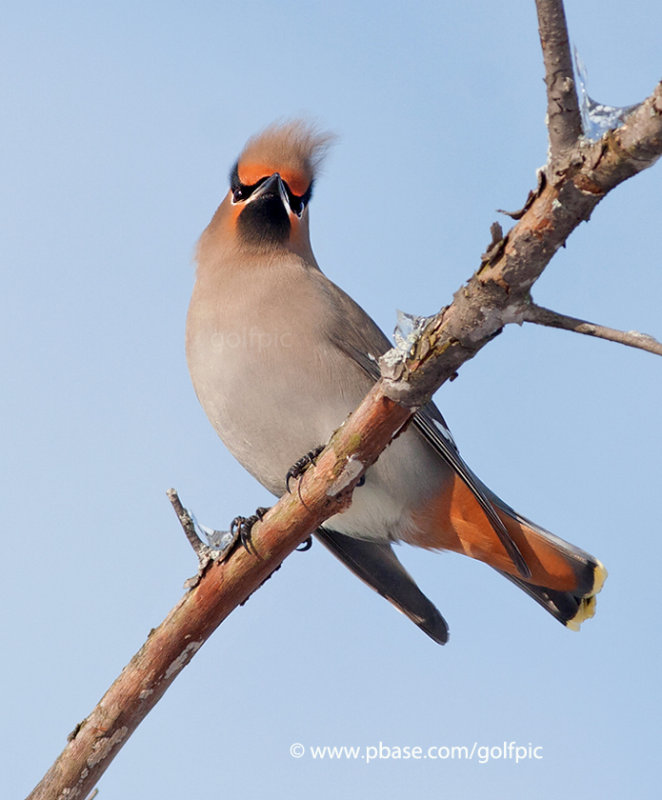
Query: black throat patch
[(264, 221)]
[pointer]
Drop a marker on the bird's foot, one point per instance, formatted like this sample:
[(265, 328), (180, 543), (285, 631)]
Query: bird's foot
[(241, 528), (305, 545), (300, 466)]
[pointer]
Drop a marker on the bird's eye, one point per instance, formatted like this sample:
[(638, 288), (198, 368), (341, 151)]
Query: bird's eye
[(296, 204), (238, 189)]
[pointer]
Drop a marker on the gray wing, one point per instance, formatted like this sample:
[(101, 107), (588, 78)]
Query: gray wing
[(356, 334), (377, 565)]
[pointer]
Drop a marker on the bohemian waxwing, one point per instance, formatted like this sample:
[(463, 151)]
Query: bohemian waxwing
[(279, 356)]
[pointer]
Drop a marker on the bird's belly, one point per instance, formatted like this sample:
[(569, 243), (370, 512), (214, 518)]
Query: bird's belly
[(405, 476), (271, 403)]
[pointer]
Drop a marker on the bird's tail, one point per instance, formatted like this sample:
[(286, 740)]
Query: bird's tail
[(548, 555), (376, 564), (564, 579)]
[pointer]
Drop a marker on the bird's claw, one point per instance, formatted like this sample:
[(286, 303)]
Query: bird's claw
[(305, 545), (242, 527), (301, 465)]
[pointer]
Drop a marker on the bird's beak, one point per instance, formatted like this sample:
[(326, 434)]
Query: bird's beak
[(273, 187)]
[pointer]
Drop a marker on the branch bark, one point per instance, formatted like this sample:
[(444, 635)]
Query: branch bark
[(552, 319), (563, 117), (498, 293)]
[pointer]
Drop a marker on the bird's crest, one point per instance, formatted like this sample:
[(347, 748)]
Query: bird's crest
[(294, 149)]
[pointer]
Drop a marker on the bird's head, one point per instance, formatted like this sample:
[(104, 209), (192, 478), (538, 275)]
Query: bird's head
[(271, 185)]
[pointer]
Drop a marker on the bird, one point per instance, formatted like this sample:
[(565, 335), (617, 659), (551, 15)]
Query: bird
[(279, 356)]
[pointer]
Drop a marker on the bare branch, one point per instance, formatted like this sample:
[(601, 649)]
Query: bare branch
[(199, 547), (325, 489), (543, 316), (499, 291), (563, 118)]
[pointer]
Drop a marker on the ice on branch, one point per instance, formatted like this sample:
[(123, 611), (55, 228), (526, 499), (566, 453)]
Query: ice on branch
[(409, 327), (216, 540), (597, 118)]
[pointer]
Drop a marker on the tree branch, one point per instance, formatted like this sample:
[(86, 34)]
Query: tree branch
[(324, 490), (498, 293), (188, 526), (543, 316), (563, 118)]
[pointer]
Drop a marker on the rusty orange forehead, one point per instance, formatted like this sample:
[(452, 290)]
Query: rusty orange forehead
[(294, 149), (250, 172)]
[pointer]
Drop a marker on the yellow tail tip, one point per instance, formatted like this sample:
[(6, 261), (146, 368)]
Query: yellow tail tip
[(600, 577), (587, 604)]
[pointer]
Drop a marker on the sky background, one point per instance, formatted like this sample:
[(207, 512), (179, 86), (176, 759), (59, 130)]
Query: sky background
[(120, 123)]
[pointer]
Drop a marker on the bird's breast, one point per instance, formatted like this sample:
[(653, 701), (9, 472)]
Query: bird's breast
[(267, 377)]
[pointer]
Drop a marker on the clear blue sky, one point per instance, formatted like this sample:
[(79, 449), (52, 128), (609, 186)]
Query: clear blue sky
[(120, 123)]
